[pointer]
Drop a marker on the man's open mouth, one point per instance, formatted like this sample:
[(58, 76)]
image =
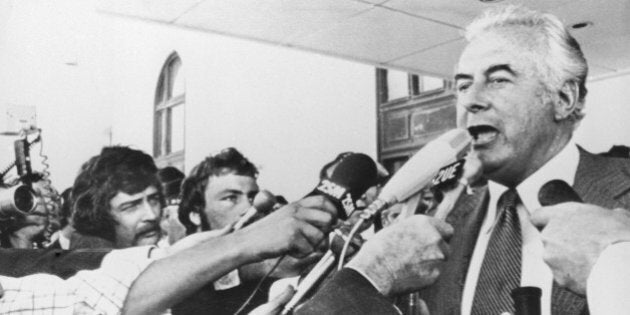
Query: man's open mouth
[(483, 134)]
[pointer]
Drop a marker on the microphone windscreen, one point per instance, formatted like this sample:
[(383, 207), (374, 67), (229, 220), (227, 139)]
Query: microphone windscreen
[(424, 165), (555, 192), (350, 179), (264, 201)]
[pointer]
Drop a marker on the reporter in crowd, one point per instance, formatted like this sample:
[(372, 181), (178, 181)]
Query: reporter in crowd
[(521, 91), (117, 200), (216, 193), (172, 229)]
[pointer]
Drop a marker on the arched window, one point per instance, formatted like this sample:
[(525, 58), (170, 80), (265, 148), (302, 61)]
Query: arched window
[(168, 126)]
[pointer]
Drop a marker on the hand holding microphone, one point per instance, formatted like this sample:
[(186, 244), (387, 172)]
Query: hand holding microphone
[(575, 234), (263, 203)]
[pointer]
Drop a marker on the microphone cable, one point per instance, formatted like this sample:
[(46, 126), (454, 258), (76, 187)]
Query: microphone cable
[(259, 284)]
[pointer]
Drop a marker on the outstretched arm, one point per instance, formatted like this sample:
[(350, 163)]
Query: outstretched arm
[(295, 229)]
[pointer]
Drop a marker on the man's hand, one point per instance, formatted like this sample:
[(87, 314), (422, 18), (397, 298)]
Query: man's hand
[(298, 229), (574, 235), (405, 256)]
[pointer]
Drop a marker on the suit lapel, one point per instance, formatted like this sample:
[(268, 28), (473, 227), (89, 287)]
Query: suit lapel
[(601, 181), (445, 296)]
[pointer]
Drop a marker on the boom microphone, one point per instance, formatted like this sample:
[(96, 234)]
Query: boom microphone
[(555, 192), (349, 181)]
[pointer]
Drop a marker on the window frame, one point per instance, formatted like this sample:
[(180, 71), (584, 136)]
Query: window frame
[(162, 114)]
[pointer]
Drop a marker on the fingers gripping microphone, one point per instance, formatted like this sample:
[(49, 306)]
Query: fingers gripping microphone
[(555, 192), (263, 203), (349, 181)]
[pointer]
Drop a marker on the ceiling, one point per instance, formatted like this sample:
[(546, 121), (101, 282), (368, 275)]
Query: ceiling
[(421, 36)]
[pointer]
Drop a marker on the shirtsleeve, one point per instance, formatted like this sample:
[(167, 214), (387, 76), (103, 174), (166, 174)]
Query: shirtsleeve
[(608, 284)]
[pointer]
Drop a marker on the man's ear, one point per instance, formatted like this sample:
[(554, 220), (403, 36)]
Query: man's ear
[(567, 102)]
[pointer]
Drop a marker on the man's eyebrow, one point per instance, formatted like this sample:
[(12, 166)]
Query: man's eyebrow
[(461, 76), (500, 67), (231, 191), (130, 203)]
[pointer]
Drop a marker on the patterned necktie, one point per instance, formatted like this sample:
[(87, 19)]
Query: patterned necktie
[(501, 267)]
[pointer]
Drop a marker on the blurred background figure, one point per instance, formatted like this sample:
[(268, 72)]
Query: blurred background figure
[(61, 238), (172, 229)]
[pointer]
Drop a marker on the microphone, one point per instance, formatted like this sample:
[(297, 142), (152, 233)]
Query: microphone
[(526, 300), (557, 191), (323, 267), (420, 169), (263, 203), (350, 179), (411, 177)]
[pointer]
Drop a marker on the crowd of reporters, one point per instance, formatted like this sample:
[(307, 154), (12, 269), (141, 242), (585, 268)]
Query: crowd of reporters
[(129, 237)]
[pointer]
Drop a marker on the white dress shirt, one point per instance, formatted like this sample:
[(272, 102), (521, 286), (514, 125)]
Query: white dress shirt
[(534, 271)]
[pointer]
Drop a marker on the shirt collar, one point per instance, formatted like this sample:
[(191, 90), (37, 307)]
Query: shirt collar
[(562, 166)]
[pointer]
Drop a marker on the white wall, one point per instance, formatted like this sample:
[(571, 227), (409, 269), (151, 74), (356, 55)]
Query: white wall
[(607, 114), (288, 111), (38, 41)]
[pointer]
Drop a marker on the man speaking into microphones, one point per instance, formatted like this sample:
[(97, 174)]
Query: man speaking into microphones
[(520, 84)]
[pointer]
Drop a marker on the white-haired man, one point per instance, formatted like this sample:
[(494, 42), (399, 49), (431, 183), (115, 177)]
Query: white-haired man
[(520, 85)]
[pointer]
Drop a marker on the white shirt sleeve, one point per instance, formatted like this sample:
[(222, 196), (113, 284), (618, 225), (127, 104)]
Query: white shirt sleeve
[(104, 289), (608, 284)]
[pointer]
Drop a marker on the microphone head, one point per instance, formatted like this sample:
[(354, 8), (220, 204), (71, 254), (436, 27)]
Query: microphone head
[(264, 201), (555, 192), (357, 172), (350, 179), (424, 165)]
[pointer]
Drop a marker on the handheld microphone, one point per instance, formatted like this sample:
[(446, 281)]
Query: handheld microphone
[(420, 169), (350, 179), (526, 300), (412, 177), (555, 192), (263, 203), (415, 175)]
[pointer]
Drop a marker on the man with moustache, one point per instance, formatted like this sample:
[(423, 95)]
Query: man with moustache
[(520, 85), (116, 200)]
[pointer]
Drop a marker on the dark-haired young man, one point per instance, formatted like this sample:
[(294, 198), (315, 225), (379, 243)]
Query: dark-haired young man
[(117, 200), (216, 193)]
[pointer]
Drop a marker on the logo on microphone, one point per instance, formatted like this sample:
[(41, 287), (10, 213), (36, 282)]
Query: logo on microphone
[(331, 189), (448, 174), (340, 194)]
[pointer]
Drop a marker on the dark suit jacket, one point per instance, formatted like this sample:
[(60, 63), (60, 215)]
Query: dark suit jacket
[(599, 180), (59, 262)]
